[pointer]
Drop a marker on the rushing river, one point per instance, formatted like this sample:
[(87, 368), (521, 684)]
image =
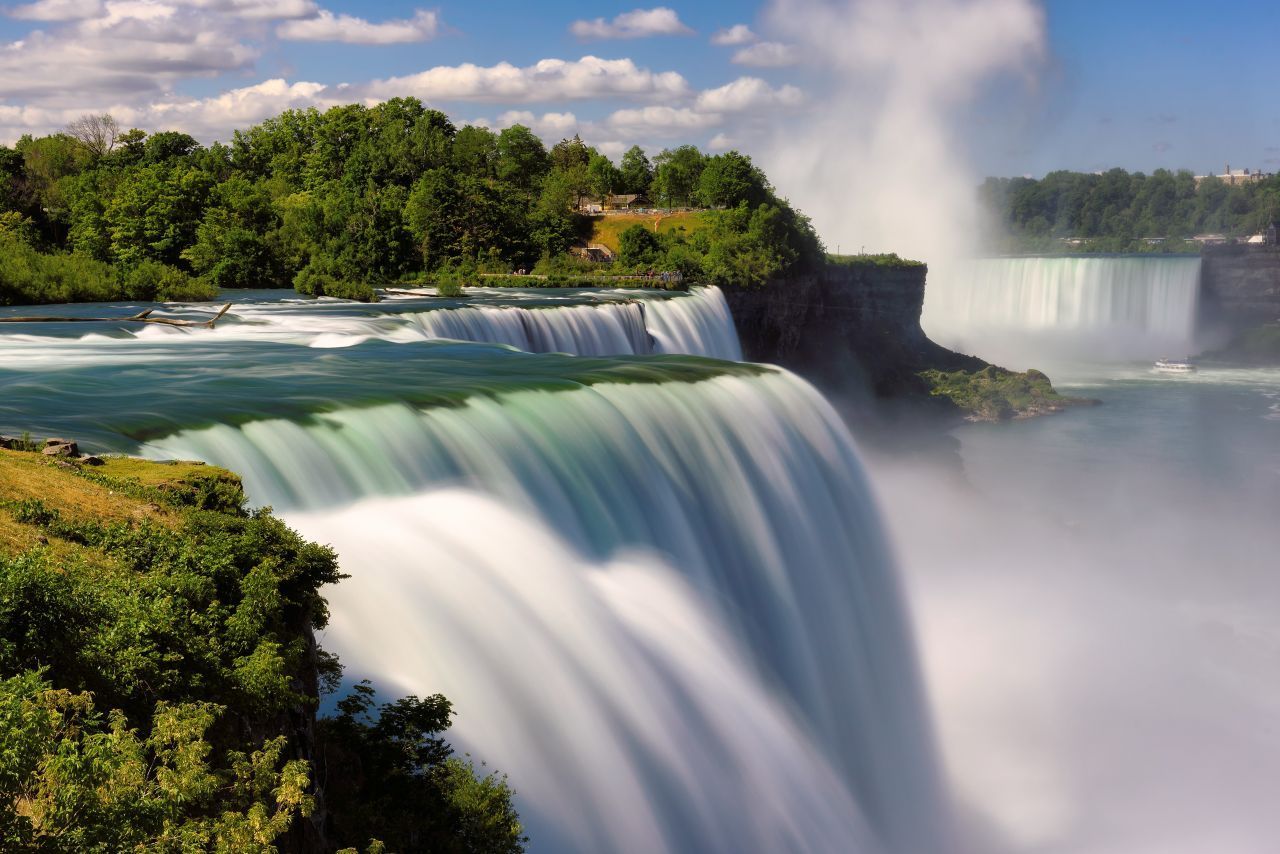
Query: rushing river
[(654, 584), (664, 593)]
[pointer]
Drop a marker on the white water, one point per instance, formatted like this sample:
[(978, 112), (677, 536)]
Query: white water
[(583, 324), (1022, 311), (715, 612)]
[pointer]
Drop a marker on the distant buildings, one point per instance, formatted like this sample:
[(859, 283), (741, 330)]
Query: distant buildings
[(1234, 179)]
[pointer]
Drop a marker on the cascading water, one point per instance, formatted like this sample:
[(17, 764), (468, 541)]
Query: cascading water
[(655, 586), (1022, 310), (582, 324), (747, 486)]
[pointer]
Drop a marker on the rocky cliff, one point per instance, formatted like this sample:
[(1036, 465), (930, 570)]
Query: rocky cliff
[(848, 328), (1240, 286)]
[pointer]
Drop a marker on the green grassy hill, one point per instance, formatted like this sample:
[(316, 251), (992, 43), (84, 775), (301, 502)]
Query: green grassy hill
[(607, 230)]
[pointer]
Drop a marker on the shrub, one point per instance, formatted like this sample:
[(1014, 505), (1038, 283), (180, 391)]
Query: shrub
[(152, 281), (320, 279)]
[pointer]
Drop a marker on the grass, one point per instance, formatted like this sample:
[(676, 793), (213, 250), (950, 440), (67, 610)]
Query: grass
[(121, 490), (607, 230)]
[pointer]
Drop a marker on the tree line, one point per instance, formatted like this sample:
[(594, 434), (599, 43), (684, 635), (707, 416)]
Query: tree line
[(339, 201), (1117, 211)]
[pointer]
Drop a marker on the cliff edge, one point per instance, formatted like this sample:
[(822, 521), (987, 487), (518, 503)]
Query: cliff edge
[(853, 329)]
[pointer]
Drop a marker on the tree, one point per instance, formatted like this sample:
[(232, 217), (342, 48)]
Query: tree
[(729, 179), (638, 246), (475, 151), (98, 134), (570, 153), (676, 175), (603, 177), (636, 171), (522, 159)]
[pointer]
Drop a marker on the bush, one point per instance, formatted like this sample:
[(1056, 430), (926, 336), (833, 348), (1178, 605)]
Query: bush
[(320, 279), (152, 281)]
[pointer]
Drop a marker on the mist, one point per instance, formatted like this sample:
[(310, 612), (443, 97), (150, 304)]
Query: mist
[(884, 169), (1098, 640)]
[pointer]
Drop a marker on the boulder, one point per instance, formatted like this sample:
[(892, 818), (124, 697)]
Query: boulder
[(92, 461), (61, 448)]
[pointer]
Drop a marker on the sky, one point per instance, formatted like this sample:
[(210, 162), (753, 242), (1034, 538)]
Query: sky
[(1128, 83)]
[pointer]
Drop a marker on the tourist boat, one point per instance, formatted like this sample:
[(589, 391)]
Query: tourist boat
[(1175, 366)]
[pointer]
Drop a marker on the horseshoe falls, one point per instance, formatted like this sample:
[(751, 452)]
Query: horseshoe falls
[(656, 587), (1022, 310)]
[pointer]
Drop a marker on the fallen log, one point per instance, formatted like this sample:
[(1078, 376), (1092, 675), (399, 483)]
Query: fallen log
[(141, 317)]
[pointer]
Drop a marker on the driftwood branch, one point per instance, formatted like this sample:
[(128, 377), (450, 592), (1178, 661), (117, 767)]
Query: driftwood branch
[(141, 317), (395, 292)]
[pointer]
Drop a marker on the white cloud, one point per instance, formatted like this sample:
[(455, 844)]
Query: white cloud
[(57, 10), (256, 10), (133, 48), (661, 121), (747, 93), (636, 24), (768, 55), (547, 125), (738, 34), (721, 142), (328, 27), (548, 80)]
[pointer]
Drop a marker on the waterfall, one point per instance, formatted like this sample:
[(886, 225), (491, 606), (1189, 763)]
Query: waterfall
[(697, 323), (1088, 308), (666, 607)]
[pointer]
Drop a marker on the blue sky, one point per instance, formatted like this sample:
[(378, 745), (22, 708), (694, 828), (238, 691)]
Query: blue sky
[(1122, 83)]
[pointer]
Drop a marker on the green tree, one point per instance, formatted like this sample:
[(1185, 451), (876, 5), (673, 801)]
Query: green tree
[(522, 159), (638, 246), (603, 178), (637, 172), (676, 174), (730, 179)]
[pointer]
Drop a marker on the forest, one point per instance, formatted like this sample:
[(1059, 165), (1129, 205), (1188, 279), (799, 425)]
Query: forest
[(341, 201), (1119, 211)]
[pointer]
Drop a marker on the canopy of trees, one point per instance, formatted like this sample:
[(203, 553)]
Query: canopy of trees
[(1117, 209), (338, 201), (159, 683)]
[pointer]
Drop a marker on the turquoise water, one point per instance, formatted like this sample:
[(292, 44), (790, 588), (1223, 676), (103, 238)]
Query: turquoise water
[(653, 583)]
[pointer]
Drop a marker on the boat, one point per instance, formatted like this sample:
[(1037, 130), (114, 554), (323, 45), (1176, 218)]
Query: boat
[(1175, 366)]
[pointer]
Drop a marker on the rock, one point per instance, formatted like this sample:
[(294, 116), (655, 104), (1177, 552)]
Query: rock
[(92, 461), (61, 448), (7, 442)]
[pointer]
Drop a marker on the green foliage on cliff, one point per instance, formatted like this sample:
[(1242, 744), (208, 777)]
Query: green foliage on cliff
[(1116, 210), (996, 394), (339, 202), (159, 678), (887, 260)]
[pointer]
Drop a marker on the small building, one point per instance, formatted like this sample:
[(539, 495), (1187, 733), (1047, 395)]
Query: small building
[(1211, 239), (595, 252), (1238, 178), (626, 202), (1154, 241)]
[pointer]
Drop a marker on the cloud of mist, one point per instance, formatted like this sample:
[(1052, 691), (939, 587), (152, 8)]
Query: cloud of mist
[(877, 163), (1100, 647)]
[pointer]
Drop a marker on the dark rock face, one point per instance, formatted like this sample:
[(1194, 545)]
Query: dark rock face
[(1240, 286), (850, 330)]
